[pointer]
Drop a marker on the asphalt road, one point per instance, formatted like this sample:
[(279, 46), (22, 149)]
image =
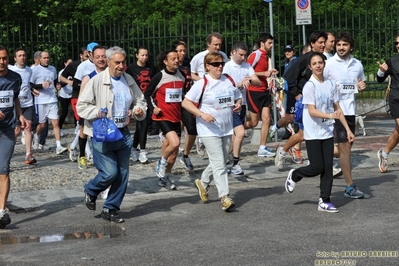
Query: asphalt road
[(267, 227)]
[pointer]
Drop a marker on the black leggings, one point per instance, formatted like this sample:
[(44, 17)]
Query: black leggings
[(320, 153), (64, 102), (140, 135)]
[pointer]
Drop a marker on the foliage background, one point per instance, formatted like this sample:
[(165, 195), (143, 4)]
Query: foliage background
[(61, 27)]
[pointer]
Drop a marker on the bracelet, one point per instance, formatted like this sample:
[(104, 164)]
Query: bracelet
[(330, 116), (201, 114)]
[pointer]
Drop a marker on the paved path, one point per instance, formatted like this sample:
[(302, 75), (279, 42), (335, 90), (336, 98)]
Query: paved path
[(55, 179)]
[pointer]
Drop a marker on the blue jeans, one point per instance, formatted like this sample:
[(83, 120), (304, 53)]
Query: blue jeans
[(112, 161)]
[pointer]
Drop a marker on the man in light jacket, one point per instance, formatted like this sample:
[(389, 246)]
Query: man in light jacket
[(119, 93)]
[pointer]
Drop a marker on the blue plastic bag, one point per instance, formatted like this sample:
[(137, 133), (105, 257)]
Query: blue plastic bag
[(105, 130)]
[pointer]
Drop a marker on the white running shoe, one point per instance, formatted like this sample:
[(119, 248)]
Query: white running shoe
[(134, 154), (200, 147), (143, 157), (60, 150), (23, 138), (266, 152), (73, 156), (280, 158), (35, 144), (237, 170)]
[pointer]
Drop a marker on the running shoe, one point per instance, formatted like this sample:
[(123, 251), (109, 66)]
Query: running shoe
[(200, 147), (326, 206), (296, 155), (134, 155), (187, 163), (353, 192), (266, 152), (29, 159), (166, 183), (143, 157), (73, 156), (202, 191), (111, 215), (4, 219), (237, 170), (23, 138), (289, 183), (382, 162), (82, 163), (90, 202), (337, 171), (280, 158), (60, 150), (227, 203), (160, 169)]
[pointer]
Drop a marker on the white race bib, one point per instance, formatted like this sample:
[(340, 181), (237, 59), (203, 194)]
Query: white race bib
[(224, 99), (173, 95), (120, 118), (348, 85), (6, 99)]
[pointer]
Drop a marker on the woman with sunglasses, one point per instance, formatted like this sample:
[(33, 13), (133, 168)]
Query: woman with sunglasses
[(218, 98)]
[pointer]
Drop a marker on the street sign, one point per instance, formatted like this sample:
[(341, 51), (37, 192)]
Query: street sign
[(303, 12)]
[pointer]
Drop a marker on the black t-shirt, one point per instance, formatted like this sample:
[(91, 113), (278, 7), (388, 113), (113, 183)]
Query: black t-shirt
[(69, 73), (10, 85), (185, 68), (141, 74)]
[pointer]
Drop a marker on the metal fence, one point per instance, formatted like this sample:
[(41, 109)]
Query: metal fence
[(374, 29)]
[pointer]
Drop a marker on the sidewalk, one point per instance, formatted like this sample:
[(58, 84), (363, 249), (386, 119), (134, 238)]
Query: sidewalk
[(57, 180)]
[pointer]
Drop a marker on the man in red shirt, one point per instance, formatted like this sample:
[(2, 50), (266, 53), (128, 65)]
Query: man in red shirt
[(259, 98)]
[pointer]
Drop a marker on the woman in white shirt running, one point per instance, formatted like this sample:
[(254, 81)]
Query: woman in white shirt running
[(218, 98), (321, 107)]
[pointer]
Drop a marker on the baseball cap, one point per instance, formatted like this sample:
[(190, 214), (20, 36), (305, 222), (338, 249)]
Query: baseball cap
[(91, 46), (289, 47)]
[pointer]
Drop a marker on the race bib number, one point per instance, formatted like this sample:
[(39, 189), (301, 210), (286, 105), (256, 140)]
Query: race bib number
[(224, 99), (120, 119), (173, 95), (348, 85), (6, 99), (23, 97)]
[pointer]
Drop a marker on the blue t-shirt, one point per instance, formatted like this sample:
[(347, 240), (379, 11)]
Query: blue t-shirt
[(10, 85)]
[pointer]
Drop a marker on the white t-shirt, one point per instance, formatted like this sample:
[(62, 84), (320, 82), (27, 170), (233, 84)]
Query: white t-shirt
[(345, 74), (39, 75), (238, 73), (66, 91), (84, 68), (322, 96), (122, 101), (25, 96), (197, 62), (218, 100)]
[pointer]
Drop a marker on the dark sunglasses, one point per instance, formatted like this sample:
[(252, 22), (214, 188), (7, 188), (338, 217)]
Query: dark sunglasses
[(216, 64), (396, 43)]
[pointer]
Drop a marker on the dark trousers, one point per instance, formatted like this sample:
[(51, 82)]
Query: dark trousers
[(320, 154), (140, 135), (64, 102)]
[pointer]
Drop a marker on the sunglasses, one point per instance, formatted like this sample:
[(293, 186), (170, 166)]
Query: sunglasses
[(396, 43), (216, 64)]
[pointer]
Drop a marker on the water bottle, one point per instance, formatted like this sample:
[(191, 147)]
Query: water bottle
[(103, 129)]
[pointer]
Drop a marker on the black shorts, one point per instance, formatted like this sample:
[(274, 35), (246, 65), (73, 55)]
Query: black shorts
[(239, 118), (29, 114), (340, 135), (189, 122), (257, 100), (289, 103), (394, 106), (167, 126)]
